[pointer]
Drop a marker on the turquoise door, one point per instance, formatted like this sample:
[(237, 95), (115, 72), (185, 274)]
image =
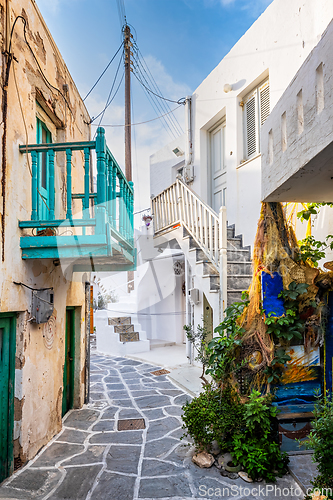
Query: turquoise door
[(7, 372), (43, 137)]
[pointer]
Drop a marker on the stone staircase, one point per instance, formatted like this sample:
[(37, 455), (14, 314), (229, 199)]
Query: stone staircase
[(239, 263), (118, 335)]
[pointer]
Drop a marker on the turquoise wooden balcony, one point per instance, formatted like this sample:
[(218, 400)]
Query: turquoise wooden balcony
[(99, 235)]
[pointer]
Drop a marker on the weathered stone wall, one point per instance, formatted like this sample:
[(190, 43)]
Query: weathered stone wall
[(40, 349)]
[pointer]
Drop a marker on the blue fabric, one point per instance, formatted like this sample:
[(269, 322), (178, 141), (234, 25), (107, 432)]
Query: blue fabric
[(271, 287)]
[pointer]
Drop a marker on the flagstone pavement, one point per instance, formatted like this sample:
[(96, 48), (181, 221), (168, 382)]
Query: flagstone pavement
[(91, 459)]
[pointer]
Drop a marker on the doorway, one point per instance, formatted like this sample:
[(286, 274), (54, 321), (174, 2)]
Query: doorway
[(68, 381), (7, 374)]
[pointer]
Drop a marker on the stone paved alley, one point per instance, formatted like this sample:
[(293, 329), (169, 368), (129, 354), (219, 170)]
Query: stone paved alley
[(91, 459)]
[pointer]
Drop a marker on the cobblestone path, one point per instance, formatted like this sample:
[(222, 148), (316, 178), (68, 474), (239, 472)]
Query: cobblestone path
[(91, 459)]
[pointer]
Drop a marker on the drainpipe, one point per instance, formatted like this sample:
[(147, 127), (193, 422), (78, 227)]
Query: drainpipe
[(187, 312), (188, 169)]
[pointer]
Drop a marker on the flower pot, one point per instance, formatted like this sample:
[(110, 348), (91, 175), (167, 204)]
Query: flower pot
[(232, 468)]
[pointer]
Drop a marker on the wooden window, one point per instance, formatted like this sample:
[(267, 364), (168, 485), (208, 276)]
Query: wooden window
[(256, 109)]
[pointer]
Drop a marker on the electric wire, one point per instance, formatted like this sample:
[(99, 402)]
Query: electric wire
[(180, 101), (162, 107), (142, 63), (110, 99), (139, 123), (103, 73), (155, 103)]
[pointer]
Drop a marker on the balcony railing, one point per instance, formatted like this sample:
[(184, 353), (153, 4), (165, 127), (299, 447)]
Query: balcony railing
[(104, 225)]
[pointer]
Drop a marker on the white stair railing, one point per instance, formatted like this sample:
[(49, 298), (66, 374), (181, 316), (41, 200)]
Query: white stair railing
[(178, 206)]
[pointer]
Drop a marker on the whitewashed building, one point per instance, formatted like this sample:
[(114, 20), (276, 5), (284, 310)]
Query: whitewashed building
[(218, 163)]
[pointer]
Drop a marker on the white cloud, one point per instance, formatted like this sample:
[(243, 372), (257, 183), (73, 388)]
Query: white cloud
[(147, 138)]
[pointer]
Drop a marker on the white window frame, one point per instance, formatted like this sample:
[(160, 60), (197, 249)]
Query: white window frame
[(260, 111)]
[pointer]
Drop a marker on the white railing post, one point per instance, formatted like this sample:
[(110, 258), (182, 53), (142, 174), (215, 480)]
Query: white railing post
[(223, 241)]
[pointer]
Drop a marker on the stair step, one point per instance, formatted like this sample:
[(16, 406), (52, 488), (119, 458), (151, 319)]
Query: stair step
[(156, 343), (235, 243), (239, 268), (119, 321), (238, 282), (209, 268), (233, 296), (242, 255), (200, 255), (193, 245), (124, 328), (129, 337), (231, 231)]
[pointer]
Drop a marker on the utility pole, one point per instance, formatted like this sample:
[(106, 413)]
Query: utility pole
[(128, 131)]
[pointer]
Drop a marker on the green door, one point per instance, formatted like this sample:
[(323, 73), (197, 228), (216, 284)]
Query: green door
[(7, 372), (68, 394)]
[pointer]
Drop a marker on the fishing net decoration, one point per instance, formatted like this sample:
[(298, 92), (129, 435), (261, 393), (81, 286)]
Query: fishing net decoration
[(276, 251)]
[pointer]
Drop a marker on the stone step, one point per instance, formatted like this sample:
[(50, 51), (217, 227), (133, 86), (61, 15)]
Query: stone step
[(214, 284), (236, 282), (156, 343), (239, 268), (209, 268), (123, 328), (243, 255), (200, 255), (235, 243), (119, 321), (233, 296), (129, 337), (231, 231)]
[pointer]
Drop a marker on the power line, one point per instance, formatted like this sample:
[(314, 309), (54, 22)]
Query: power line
[(163, 107), (180, 101), (153, 101), (102, 74), (155, 85), (139, 123), (108, 101)]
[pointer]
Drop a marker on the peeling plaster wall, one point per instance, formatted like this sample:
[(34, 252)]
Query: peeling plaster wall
[(40, 349)]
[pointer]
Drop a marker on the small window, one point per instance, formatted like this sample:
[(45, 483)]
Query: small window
[(256, 110)]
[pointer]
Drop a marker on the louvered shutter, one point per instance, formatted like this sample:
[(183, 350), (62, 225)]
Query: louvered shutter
[(251, 126), (264, 102)]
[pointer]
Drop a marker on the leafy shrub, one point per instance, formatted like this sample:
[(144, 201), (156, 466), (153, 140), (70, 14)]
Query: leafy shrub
[(321, 441), (254, 448), (214, 415)]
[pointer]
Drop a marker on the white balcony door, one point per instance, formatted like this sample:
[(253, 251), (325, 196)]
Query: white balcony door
[(217, 167)]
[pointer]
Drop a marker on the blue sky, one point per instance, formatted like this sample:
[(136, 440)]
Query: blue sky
[(181, 41)]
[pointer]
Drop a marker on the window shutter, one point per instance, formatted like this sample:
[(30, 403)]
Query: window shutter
[(264, 102), (251, 133)]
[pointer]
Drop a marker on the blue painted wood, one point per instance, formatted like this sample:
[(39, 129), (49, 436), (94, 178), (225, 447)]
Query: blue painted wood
[(271, 288), (113, 219), (114, 195), (121, 206), (34, 185), (69, 182), (56, 223), (109, 204), (101, 167), (63, 241), (51, 183), (86, 182), (131, 210)]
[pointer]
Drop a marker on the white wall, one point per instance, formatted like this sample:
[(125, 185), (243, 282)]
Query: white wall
[(276, 45)]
